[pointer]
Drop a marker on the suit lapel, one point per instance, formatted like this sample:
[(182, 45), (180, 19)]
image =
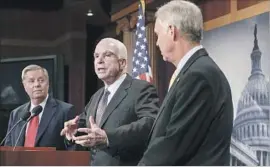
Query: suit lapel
[(193, 58), (167, 98), (117, 98), (48, 113), (20, 126)]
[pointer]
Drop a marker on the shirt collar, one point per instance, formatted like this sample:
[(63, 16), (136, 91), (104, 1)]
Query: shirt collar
[(114, 86), (186, 57)]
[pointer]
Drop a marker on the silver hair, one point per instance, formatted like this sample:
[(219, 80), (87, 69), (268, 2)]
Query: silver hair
[(185, 16), (33, 67), (122, 50)]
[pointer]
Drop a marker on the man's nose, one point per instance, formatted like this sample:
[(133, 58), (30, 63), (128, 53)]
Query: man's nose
[(36, 83), (100, 60)]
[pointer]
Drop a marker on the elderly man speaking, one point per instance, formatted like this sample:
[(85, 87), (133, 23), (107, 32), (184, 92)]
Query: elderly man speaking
[(120, 115)]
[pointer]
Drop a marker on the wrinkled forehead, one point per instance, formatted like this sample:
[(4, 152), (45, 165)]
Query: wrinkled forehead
[(105, 46)]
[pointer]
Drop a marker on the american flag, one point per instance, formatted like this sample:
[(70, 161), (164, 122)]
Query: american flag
[(141, 61)]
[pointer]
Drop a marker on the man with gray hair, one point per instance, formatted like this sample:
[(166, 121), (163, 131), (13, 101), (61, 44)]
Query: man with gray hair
[(120, 115), (43, 129), (195, 121)]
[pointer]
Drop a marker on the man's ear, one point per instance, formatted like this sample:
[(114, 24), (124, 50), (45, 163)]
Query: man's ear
[(123, 63), (172, 32)]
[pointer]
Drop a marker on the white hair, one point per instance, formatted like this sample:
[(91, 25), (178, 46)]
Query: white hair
[(34, 67), (122, 50), (185, 16)]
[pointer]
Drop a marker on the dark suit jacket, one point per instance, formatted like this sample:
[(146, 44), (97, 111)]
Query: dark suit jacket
[(195, 121), (127, 121), (52, 122)]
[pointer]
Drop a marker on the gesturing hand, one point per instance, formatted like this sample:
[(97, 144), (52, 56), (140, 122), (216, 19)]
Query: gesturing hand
[(70, 128), (95, 135)]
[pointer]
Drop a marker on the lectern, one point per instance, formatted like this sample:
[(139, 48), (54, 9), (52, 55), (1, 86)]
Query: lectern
[(42, 156)]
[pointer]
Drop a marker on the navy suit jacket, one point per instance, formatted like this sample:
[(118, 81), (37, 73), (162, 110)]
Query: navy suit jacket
[(52, 122)]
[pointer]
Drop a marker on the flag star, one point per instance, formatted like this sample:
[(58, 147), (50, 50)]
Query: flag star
[(140, 35), (142, 47), (144, 40), (135, 69), (137, 62), (139, 54), (142, 65), (137, 43), (140, 17), (142, 28), (135, 51), (138, 24), (145, 58)]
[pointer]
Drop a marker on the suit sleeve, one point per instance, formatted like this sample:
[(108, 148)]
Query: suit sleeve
[(135, 134), (187, 125), (8, 141)]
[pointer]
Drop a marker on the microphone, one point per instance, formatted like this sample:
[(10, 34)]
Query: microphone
[(36, 111), (24, 117)]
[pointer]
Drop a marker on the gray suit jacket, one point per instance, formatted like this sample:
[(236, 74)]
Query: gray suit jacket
[(195, 121), (52, 122), (127, 121)]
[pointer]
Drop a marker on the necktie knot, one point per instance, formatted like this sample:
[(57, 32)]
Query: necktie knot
[(106, 93)]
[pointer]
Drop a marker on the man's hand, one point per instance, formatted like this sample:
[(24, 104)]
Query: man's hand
[(70, 128), (95, 136)]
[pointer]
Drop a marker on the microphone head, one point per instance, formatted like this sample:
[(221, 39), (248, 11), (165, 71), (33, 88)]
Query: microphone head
[(36, 110), (25, 116)]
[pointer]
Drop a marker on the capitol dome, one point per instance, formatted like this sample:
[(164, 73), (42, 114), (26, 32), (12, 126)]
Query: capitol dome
[(251, 125), (256, 92)]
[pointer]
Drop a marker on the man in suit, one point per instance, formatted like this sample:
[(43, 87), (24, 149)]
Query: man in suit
[(195, 121), (42, 130), (120, 115)]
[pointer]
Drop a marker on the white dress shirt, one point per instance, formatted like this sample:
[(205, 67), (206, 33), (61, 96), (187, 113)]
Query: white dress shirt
[(114, 87)]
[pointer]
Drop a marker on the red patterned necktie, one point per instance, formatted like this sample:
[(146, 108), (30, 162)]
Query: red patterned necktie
[(31, 133)]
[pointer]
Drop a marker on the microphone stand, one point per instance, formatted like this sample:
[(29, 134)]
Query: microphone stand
[(19, 135)]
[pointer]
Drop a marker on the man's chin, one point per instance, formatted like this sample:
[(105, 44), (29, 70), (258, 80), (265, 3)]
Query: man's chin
[(165, 58), (39, 96), (101, 76)]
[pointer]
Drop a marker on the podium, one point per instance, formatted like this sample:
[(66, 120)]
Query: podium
[(42, 156)]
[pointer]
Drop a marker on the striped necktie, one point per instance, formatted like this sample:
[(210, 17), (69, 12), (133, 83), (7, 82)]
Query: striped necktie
[(102, 106)]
